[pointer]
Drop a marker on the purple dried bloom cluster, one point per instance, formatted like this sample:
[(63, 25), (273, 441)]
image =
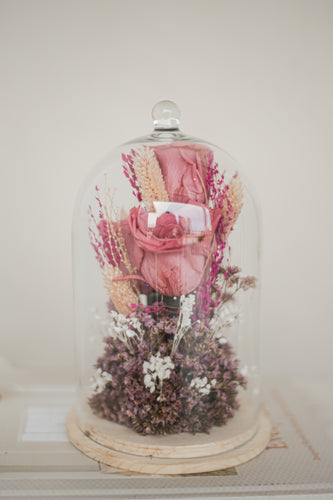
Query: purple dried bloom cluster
[(213, 293), (230, 282), (178, 406)]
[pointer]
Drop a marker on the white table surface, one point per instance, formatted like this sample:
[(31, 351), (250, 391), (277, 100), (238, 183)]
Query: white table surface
[(37, 461)]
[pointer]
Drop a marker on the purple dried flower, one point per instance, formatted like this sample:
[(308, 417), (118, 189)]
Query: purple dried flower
[(201, 390)]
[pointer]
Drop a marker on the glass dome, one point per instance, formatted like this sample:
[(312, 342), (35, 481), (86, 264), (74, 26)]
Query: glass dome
[(166, 286)]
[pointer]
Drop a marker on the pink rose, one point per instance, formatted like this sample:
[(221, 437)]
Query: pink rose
[(168, 254), (183, 167)]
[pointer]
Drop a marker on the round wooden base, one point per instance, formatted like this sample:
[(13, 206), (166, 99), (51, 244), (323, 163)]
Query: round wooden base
[(169, 460)]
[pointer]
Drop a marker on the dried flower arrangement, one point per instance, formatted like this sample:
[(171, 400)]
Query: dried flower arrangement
[(167, 366)]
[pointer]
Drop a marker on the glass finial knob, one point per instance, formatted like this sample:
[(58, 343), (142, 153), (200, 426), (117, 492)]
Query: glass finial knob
[(166, 115)]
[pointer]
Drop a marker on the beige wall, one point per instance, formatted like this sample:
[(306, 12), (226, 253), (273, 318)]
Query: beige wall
[(80, 77)]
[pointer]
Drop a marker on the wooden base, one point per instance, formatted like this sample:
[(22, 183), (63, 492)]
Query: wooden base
[(165, 457)]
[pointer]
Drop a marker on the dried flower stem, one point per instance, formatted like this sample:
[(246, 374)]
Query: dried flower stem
[(184, 320), (115, 237), (229, 278), (149, 177), (121, 293), (233, 202), (111, 253), (130, 173)]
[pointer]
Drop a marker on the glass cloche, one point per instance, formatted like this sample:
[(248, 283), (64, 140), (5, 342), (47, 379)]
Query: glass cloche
[(166, 285)]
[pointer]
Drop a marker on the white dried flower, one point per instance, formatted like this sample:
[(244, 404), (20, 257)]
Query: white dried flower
[(186, 306), (99, 380), (118, 326), (225, 316), (202, 385), (157, 368), (130, 333), (184, 320)]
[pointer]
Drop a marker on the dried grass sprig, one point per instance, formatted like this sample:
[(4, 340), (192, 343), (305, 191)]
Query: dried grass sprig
[(107, 239), (229, 198), (114, 233), (130, 173), (233, 202), (121, 293), (149, 177)]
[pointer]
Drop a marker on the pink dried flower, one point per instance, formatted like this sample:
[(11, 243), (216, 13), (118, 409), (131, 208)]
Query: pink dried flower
[(130, 173), (183, 168), (168, 256)]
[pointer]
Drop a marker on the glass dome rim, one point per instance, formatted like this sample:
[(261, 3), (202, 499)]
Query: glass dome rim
[(171, 136), (166, 136), (163, 138)]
